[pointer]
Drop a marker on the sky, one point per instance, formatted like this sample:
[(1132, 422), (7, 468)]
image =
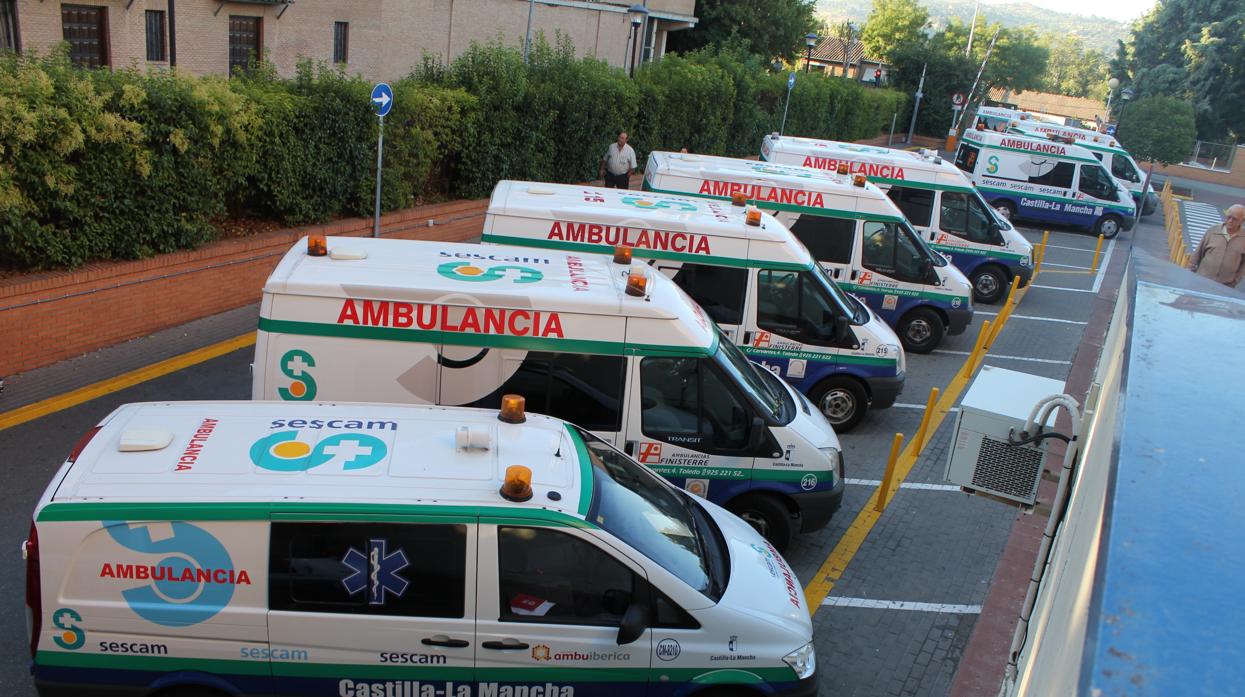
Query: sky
[(1120, 10)]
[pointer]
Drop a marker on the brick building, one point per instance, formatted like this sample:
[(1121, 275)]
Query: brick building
[(380, 39)]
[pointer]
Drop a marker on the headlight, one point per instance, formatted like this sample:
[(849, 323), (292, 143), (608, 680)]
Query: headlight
[(803, 661), (834, 457), (903, 360)]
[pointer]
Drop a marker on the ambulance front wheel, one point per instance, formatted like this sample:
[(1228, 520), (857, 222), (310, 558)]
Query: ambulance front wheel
[(1108, 226), (768, 516), (989, 282), (921, 330), (842, 401), (1005, 209)]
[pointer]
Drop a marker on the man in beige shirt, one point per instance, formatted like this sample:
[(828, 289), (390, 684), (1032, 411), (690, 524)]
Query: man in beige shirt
[(1221, 255), (618, 163)]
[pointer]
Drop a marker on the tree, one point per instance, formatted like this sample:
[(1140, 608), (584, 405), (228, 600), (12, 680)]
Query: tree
[(846, 33), (1073, 69), (769, 28), (946, 72), (892, 24), (1158, 129), (1017, 62)]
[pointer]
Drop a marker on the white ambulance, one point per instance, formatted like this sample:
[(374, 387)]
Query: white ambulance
[(939, 201), (747, 271), (615, 348), (1046, 181), (215, 549), (848, 225), (1107, 149)]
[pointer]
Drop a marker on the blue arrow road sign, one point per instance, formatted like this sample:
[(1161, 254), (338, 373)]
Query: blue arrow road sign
[(382, 98), (791, 80)]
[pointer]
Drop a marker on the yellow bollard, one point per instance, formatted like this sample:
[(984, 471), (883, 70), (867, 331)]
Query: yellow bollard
[(970, 364), (1093, 268), (884, 489), (1041, 254), (1004, 313), (929, 410)]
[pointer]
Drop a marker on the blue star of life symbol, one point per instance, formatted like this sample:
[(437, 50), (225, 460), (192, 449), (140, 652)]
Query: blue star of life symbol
[(375, 571)]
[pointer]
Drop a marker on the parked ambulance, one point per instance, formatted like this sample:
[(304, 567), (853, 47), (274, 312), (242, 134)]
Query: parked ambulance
[(1106, 148), (1045, 181), (935, 197), (214, 549), (617, 349), (850, 226), (755, 280)]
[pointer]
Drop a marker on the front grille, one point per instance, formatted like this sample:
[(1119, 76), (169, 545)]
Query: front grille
[(1007, 470)]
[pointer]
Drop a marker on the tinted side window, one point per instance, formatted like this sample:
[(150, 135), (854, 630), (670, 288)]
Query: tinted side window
[(1097, 183), (1121, 168), (827, 239), (887, 250), (961, 214), (718, 289), (789, 305), (551, 577), (917, 204), (966, 157), (584, 388), (1060, 175), (414, 570), (685, 401)]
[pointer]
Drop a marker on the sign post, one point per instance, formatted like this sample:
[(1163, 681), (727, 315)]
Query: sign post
[(790, 84), (917, 105), (957, 103), (382, 102)]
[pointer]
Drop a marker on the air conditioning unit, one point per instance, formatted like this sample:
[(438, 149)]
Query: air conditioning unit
[(996, 405)]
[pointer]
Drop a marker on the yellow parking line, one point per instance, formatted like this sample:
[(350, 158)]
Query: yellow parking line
[(51, 405), (833, 567)]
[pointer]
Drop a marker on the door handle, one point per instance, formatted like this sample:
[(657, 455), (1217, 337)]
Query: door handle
[(629, 447), (442, 640), (747, 338), (853, 274), (504, 645), (932, 235)]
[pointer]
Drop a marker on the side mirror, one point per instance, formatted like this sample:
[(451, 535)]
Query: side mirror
[(841, 328), (756, 435), (634, 623)]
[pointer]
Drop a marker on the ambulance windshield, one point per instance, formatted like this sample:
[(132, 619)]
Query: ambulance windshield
[(640, 508), (775, 403)]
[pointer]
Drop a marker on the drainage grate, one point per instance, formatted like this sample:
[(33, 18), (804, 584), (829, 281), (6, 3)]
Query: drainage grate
[(1007, 470)]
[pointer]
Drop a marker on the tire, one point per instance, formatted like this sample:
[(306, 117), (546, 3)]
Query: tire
[(768, 516), (1005, 209), (1108, 226), (842, 400), (921, 330), (989, 284)]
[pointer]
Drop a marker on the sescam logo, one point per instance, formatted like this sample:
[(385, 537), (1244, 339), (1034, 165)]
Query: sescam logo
[(194, 579), (283, 452), (466, 271), (294, 365), (74, 636), (659, 203)]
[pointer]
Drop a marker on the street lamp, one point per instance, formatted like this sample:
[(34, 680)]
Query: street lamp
[(810, 40), (1111, 85), (637, 13)]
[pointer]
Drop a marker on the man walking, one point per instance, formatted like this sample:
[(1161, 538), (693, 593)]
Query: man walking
[(1221, 255), (618, 163)]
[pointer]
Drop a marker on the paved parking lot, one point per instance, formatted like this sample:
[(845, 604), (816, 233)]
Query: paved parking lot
[(897, 618)]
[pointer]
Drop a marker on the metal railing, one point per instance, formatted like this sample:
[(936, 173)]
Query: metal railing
[(1214, 156), (1178, 253)]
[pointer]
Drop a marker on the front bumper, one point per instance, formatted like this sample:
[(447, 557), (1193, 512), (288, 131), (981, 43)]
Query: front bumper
[(1149, 203), (884, 391), (1024, 273), (958, 318), (804, 688), (817, 507)]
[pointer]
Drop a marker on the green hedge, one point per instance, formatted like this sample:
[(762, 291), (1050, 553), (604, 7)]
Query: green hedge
[(114, 165)]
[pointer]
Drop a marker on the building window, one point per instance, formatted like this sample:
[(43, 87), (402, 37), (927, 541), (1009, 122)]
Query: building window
[(341, 42), (85, 28), (155, 36), (245, 41), (9, 40)]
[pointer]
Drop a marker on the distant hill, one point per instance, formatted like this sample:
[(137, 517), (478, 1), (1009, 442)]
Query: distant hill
[(1096, 32)]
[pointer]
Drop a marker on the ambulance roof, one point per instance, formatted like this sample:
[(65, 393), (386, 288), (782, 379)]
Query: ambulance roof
[(770, 185), (918, 165), (1028, 144), (1090, 140), (186, 459), (494, 276)]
